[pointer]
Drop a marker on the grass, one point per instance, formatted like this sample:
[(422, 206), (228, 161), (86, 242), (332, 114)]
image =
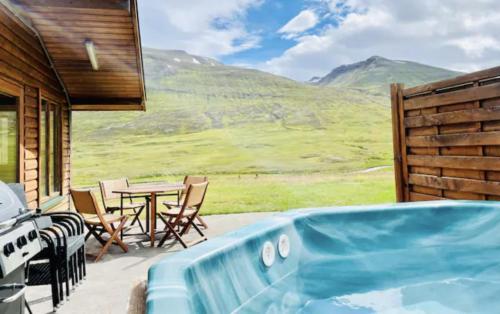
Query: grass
[(266, 143), (233, 194), (229, 194), (268, 168), (350, 137)]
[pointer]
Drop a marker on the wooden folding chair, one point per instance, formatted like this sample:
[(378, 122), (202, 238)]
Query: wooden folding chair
[(188, 180), (188, 211), (107, 188), (98, 222)]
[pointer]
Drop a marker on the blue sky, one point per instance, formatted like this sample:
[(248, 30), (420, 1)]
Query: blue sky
[(304, 38), (266, 20)]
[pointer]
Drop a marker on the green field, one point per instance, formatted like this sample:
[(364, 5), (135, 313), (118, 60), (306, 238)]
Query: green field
[(233, 194), (341, 144), (268, 193), (266, 143), (265, 193), (264, 168), (258, 166)]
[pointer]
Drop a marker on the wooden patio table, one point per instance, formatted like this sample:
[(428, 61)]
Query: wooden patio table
[(150, 191)]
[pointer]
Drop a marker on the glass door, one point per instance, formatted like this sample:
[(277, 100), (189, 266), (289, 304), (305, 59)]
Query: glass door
[(8, 139)]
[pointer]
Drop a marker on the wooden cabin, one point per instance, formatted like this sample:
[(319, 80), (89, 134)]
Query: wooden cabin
[(56, 57)]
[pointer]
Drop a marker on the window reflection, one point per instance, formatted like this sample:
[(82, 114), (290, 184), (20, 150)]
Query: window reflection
[(8, 139), (50, 123), (43, 151)]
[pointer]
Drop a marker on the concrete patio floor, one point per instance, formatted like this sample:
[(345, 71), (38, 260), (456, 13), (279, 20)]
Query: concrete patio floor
[(109, 281)]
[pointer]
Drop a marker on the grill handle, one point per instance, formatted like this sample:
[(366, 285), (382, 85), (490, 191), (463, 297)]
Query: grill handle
[(16, 295)]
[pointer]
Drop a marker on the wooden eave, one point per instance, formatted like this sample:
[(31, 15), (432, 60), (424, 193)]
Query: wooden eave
[(113, 26)]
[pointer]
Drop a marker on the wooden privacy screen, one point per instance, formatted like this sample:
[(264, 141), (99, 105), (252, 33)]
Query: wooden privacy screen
[(447, 138)]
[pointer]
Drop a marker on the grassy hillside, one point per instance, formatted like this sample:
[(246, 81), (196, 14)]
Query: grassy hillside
[(266, 142), (223, 120)]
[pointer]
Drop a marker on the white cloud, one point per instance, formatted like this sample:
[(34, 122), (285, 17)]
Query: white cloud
[(198, 26), (475, 46), (305, 20), (456, 34)]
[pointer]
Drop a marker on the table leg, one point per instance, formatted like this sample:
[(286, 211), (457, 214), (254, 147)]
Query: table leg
[(153, 219), (121, 214)]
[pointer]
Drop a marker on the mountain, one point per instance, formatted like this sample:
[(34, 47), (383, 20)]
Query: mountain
[(164, 63), (375, 74), (179, 71), (206, 117), (266, 142)]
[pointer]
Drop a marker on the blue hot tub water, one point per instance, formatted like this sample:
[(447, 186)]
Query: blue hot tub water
[(433, 257)]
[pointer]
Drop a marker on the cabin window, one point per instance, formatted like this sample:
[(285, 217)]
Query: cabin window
[(8, 139), (50, 150)]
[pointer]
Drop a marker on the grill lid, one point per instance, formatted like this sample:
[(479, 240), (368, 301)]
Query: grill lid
[(10, 205)]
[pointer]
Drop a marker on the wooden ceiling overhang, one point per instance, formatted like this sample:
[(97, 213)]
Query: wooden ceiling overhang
[(112, 26)]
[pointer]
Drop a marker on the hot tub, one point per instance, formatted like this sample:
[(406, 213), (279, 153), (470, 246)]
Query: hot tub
[(430, 257)]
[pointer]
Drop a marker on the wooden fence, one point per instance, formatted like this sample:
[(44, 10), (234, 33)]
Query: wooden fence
[(447, 138)]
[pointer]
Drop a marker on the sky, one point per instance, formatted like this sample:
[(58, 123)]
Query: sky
[(300, 39)]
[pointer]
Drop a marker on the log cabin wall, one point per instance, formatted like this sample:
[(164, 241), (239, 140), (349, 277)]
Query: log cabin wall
[(447, 138), (25, 73)]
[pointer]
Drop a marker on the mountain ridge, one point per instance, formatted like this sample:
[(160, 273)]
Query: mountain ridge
[(373, 75), (376, 73), (160, 63)]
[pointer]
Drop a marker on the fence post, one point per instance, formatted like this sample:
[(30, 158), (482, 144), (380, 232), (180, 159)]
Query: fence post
[(396, 140)]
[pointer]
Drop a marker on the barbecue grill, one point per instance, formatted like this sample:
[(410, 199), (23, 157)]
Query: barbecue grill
[(19, 242)]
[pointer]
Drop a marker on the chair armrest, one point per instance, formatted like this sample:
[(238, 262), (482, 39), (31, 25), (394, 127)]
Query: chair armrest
[(68, 214), (65, 227), (72, 219), (66, 230), (52, 234), (49, 240)]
